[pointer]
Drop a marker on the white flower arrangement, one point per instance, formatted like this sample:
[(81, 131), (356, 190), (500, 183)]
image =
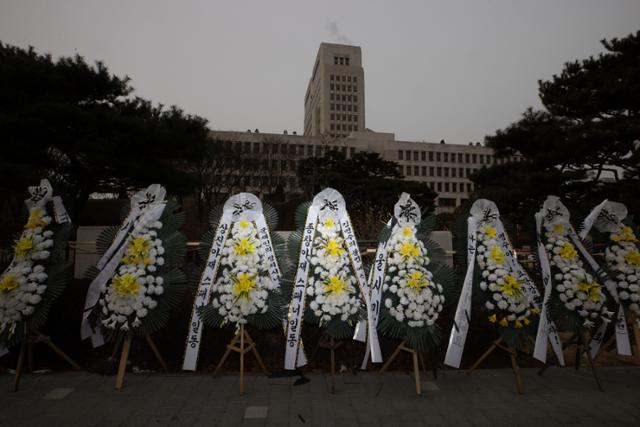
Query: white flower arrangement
[(411, 295), (509, 303), (134, 289), (578, 290), (242, 288), (623, 260), (25, 280), (332, 287)]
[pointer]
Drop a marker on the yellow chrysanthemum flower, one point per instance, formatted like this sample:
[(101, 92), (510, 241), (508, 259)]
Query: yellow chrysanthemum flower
[(24, 246), (243, 223), (518, 324), (335, 285), (490, 232), (632, 258), (333, 248), (8, 283), (36, 219), (511, 286), (534, 310), (626, 235), (407, 231), (592, 289), (243, 285), (567, 251), (137, 252), (126, 285), (496, 255), (504, 322), (410, 250), (416, 281), (329, 223), (493, 318), (558, 228), (526, 320), (244, 247)]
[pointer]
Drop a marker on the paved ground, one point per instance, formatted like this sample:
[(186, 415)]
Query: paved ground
[(488, 397)]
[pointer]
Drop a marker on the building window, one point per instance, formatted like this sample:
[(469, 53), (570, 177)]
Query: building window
[(438, 171), (467, 158), (469, 188), (415, 156), (400, 155), (461, 172), (474, 158), (437, 157), (355, 108), (309, 150), (431, 171), (445, 157), (424, 170), (332, 77), (453, 172), (331, 97), (446, 187), (416, 170), (408, 170), (439, 184), (431, 156), (454, 187), (446, 172), (332, 106), (423, 156)]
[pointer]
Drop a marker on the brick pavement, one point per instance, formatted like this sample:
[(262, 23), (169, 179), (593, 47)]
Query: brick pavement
[(488, 397)]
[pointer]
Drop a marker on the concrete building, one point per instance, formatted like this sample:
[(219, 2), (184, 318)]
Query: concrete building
[(334, 101), (271, 160), (335, 118)]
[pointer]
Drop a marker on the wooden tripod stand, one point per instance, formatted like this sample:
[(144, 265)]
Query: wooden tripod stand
[(582, 347), (124, 357), (328, 342), (512, 355), (246, 344), (416, 356), (35, 337)]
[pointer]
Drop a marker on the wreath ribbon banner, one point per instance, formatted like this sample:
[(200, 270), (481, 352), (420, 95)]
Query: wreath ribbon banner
[(546, 327), (460, 327), (356, 261), (294, 353)]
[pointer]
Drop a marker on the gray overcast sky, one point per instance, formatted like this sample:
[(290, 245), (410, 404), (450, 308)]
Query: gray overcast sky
[(453, 70)]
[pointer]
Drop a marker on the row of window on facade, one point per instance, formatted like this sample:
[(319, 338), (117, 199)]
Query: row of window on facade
[(343, 88), (341, 60), (439, 156), (343, 98), (343, 127), (256, 182), (344, 117), (451, 187), (348, 106), (436, 171), (343, 78), (300, 150)]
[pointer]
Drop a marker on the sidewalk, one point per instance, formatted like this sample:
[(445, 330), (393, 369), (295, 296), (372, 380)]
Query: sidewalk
[(488, 397)]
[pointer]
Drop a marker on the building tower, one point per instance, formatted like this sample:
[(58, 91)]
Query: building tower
[(334, 102)]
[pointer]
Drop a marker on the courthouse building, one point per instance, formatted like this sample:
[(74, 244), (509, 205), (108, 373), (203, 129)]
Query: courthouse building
[(335, 119)]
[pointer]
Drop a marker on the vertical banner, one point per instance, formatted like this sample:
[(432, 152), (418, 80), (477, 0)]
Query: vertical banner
[(547, 330), (463, 311)]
